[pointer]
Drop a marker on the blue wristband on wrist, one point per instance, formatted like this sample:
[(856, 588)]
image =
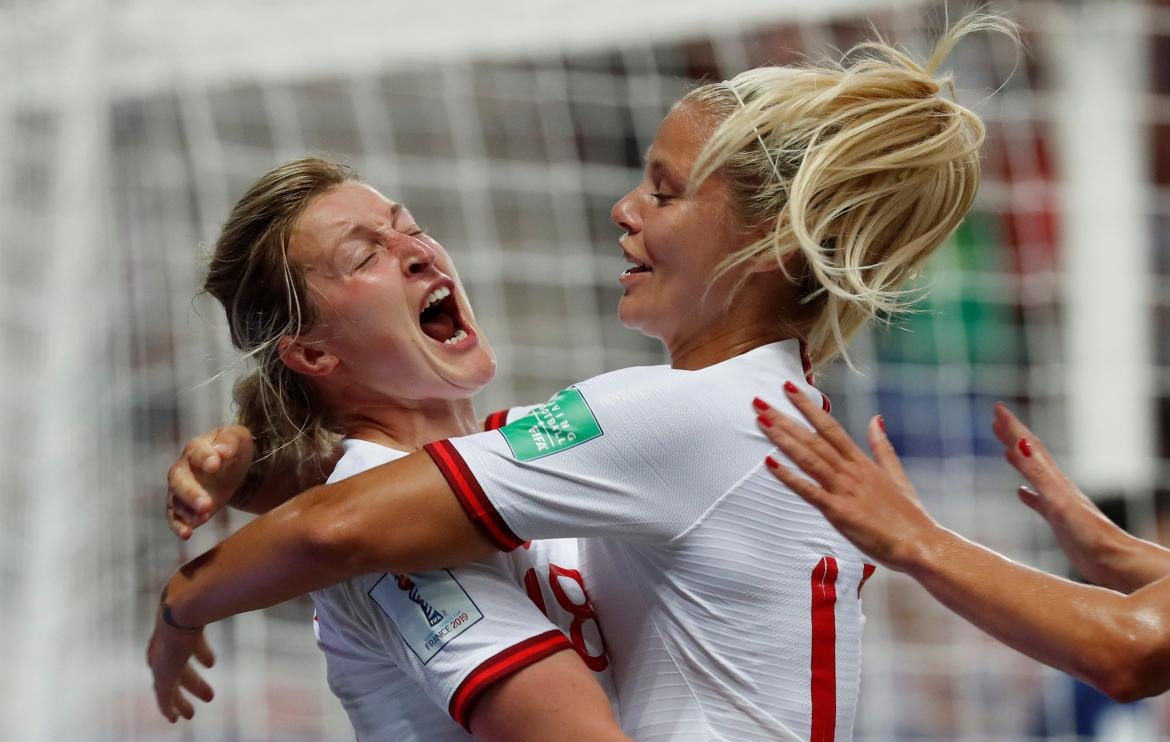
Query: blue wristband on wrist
[(169, 618)]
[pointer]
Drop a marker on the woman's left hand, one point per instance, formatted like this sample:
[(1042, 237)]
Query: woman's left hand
[(872, 503), (168, 655)]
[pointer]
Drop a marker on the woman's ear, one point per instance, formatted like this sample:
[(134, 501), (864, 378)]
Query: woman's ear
[(300, 356), (793, 264)]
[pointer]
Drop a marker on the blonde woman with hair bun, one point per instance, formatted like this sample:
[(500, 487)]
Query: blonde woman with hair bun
[(779, 211)]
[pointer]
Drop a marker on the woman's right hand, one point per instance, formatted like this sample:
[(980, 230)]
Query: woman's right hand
[(206, 476)]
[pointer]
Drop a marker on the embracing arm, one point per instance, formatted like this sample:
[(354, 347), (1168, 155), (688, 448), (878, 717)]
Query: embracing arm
[(397, 517), (216, 469), (1119, 643)]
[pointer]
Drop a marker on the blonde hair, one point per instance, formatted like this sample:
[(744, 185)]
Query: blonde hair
[(864, 167), (263, 294)]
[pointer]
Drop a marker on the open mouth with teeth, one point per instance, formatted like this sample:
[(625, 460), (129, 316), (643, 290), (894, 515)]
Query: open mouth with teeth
[(637, 267), (440, 318)]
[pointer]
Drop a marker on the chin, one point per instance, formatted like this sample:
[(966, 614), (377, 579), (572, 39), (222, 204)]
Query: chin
[(635, 321), (475, 373), (627, 315)]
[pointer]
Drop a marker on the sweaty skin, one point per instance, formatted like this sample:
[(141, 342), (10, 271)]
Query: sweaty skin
[(1118, 643)]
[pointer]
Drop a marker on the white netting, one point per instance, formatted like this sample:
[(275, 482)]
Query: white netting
[(128, 129)]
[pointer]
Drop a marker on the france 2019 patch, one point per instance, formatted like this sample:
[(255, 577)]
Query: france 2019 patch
[(557, 425), (429, 609)]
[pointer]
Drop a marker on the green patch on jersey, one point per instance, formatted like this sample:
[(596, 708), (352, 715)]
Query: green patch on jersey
[(557, 425)]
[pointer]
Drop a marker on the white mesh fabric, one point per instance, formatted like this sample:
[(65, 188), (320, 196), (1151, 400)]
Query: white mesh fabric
[(699, 561), (389, 692)]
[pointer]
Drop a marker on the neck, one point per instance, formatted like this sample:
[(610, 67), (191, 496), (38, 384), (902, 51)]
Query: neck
[(763, 313), (409, 425), (720, 344)]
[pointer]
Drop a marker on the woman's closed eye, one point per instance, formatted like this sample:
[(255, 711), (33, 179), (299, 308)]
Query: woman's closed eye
[(367, 260)]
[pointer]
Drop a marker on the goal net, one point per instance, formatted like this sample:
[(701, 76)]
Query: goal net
[(128, 129)]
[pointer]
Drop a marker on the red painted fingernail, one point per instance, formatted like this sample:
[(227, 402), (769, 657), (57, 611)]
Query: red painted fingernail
[(764, 421), (771, 462), (759, 404), (882, 423), (790, 387), (1025, 447)]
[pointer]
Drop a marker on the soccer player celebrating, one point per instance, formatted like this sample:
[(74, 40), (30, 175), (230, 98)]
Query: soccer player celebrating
[(1115, 637), (778, 212), (360, 328)]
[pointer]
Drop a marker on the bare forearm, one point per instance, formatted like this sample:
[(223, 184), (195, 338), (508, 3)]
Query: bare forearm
[(266, 562), (1102, 552), (400, 517), (1125, 563), (1098, 635)]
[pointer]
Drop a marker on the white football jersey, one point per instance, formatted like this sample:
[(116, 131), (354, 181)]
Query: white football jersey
[(407, 655), (731, 607)]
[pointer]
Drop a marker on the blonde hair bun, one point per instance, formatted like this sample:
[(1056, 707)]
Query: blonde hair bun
[(865, 166)]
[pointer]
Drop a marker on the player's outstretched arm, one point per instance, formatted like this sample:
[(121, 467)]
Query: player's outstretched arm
[(1119, 643), (397, 517), (1103, 553), (216, 469)]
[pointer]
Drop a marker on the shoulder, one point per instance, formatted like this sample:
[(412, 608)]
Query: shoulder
[(628, 378), (633, 391), (663, 398), (357, 456)]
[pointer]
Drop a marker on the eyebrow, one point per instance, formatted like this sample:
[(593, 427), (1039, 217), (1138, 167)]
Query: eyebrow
[(355, 228), (659, 169)]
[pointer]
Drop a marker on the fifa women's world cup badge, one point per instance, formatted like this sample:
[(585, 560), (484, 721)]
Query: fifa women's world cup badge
[(557, 425), (433, 615), (429, 609)]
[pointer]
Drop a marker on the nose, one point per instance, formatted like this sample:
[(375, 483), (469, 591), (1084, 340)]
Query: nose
[(417, 257), (625, 214)]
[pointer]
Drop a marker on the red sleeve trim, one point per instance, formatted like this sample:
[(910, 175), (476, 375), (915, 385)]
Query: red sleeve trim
[(496, 420), (500, 666), (471, 496)]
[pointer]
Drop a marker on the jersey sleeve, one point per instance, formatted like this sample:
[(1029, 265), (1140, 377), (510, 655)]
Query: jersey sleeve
[(500, 418), (616, 459), (457, 632)]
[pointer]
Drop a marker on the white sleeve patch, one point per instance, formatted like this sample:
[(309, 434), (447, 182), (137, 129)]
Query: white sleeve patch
[(429, 609)]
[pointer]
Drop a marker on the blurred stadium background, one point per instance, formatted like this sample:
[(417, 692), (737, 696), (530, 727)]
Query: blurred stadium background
[(129, 127)]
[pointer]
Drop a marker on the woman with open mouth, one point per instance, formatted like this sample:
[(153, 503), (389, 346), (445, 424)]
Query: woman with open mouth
[(779, 211), (361, 331)]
